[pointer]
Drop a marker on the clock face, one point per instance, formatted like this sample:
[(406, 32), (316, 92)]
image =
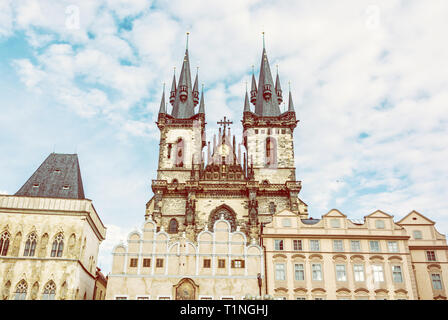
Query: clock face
[(223, 150)]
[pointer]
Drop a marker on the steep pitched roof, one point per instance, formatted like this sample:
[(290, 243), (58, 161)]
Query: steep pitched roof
[(264, 107), (59, 176), (184, 109), (162, 108), (201, 104)]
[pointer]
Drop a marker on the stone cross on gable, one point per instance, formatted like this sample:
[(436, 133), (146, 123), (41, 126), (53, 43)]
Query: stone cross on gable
[(224, 123)]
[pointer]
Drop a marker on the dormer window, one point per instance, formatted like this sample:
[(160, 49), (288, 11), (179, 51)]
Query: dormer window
[(36, 185), (335, 223), (66, 187), (379, 224), (57, 171)]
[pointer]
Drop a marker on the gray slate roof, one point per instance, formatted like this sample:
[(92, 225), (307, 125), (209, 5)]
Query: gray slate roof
[(262, 107), (58, 176), (310, 221), (184, 110)]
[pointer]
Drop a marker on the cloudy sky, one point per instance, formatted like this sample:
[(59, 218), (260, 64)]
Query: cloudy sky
[(368, 78)]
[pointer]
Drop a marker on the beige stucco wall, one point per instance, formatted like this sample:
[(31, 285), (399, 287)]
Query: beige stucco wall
[(431, 240), (185, 259), (329, 287)]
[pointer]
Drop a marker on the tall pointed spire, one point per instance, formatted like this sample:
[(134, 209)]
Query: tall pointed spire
[(246, 102), (201, 105), (278, 88), (173, 88), (196, 89), (183, 106), (267, 101), (291, 104), (162, 103), (253, 89)]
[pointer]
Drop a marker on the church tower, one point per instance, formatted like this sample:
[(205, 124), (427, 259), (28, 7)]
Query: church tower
[(182, 133), (268, 133)]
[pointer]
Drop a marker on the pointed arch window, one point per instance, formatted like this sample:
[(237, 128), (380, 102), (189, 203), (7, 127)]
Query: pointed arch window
[(30, 245), (4, 243), (58, 246), (21, 289), (173, 226), (180, 153), (49, 291), (271, 152), (227, 213)]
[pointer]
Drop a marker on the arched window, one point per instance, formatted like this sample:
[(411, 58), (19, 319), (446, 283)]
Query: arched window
[(4, 243), (58, 246), (30, 245), (173, 226), (180, 146), (271, 152), (21, 289), (49, 291)]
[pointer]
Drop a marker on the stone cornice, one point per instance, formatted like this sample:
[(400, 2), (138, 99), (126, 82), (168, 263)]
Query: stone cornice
[(54, 206), (285, 120)]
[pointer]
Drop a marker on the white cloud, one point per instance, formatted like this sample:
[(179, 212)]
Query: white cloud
[(6, 18), (348, 77)]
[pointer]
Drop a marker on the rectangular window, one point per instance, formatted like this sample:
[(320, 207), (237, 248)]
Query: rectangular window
[(142, 298), (379, 224), (133, 263), (341, 274), (301, 298), (355, 245), (280, 271), (146, 263), (358, 270), (207, 263), (159, 263), (237, 263), (286, 222), (396, 274), (121, 298), (335, 223), (314, 245), (278, 244), (299, 272), (417, 234), (374, 246), (164, 298), (297, 245), (378, 275), (338, 245), (317, 271), (431, 256), (436, 281), (221, 263), (393, 246)]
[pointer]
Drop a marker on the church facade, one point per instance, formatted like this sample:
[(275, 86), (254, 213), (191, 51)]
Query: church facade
[(226, 221)]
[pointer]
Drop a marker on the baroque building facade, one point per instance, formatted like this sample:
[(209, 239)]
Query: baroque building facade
[(49, 235), (226, 220)]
